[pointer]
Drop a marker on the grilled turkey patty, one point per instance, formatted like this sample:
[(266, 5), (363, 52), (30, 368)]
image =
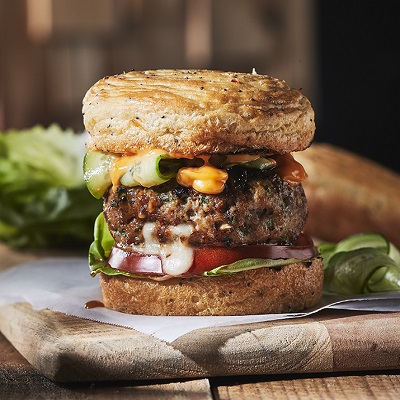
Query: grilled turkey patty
[(255, 207)]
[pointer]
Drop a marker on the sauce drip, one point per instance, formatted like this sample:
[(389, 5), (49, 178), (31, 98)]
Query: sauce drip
[(289, 169), (93, 304)]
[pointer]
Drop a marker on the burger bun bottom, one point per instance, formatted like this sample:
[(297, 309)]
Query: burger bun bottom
[(291, 288)]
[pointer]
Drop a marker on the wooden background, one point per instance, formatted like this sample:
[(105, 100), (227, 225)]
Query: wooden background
[(52, 51)]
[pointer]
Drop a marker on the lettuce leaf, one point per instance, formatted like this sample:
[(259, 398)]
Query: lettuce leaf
[(251, 263), (101, 246), (44, 201), (361, 263)]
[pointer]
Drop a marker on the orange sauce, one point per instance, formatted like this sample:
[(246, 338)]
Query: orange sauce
[(290, 170)]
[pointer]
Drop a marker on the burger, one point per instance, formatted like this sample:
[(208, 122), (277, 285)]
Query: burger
[(203, 205)]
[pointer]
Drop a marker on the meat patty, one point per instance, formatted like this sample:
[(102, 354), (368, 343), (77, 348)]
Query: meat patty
[(255, 207)]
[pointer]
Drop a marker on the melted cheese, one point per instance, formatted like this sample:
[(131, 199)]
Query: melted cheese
[(205, 179), (176, 256)]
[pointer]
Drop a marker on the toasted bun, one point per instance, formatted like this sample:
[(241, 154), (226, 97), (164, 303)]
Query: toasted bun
[(349, 194), (194, 112), (291, 288)]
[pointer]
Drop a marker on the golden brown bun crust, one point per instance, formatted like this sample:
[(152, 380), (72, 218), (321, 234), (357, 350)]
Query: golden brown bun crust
[(349, 194), (196, 112), (292, 288)]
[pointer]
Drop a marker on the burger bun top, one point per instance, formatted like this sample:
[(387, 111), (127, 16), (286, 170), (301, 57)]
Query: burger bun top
[(194, 112)]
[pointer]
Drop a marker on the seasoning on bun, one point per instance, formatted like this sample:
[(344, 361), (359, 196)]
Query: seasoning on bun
[(203, 202)]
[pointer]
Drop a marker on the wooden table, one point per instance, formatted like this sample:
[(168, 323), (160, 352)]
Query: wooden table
[(19, 380)]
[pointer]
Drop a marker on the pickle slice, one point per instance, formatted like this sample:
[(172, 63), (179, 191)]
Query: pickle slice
[(96, 172)]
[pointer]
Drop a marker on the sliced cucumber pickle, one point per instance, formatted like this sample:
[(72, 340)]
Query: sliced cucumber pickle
[(96, 172), (361, 263), (370, 239), (261, 163), (151, 170)]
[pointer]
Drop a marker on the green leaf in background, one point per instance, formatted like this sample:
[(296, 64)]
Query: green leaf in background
[(44, 201)]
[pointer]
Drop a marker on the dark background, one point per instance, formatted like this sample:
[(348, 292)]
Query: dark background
[(359, 71)]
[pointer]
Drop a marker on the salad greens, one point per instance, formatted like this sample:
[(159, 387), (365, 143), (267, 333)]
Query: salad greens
[(44, 201), (361, 263)]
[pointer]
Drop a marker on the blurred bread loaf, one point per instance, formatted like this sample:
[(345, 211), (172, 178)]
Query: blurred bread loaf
[(349, 194)]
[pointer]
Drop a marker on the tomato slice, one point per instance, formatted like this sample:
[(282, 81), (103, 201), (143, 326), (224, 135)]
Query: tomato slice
[(208, 258)]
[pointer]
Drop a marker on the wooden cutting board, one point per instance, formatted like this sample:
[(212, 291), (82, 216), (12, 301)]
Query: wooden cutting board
[(65, 348)]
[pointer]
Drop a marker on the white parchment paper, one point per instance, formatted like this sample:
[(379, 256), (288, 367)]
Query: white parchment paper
[(65, 285)]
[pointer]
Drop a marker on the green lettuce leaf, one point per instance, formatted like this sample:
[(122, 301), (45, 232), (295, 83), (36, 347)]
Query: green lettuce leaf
[(44, 201), (101, 246), (362, 263), (251, 263)]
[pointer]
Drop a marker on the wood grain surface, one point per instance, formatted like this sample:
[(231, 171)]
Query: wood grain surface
[(338, 387), (65, 348), (19, 380)]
